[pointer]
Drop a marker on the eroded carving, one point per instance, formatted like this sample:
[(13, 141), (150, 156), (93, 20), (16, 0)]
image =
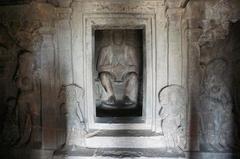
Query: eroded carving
[(72, 114), (102, 6), (8, 56), (217, 23), (216, 108), (173, 101), (27, 107)]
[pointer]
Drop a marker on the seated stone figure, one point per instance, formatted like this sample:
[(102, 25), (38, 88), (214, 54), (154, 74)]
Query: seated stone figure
[(118, 62)]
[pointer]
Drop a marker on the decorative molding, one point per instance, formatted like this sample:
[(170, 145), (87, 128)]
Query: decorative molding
[(135, 6), (124, 21)]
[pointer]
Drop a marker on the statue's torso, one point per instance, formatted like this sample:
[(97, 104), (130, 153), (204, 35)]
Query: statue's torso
[(118, 55), (119, 59)]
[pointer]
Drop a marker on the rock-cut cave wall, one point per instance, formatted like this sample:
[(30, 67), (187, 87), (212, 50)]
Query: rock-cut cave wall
[(37, 36)]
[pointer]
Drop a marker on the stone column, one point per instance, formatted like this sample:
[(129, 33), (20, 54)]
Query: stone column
[(193, 34)]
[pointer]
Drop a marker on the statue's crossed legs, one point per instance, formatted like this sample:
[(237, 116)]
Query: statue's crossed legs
[(130, 90)]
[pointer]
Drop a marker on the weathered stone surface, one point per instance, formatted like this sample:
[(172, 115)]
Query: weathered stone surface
[(24, 72), (216, 108), (72, 119), (119, 68), (212, 25), (173, 101), (192, 47), (27, 106)]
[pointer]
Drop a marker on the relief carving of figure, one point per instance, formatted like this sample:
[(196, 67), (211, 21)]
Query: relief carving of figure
[(27, 107), (71, 111), (21, 89), (216, 108), (118, 62), (173, 101)]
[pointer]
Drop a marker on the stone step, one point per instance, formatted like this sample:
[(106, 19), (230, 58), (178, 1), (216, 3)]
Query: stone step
[(121, 133), (98, 157), (84, 153), (126, 142), (144, 154), (114, 153), (125, 139)]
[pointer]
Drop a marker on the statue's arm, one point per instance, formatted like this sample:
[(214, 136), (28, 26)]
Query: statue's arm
[(134, 59), (102, 57), (101, 66), (105, 68)]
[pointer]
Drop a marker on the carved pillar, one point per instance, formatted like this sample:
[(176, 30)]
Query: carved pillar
[(175, 51), (64, 45), (49, 85), (77, 42), (194, 76), (161, 57)]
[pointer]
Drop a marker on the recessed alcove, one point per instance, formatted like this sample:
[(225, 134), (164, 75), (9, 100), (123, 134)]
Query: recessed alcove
[(132, 106), (185, 77), (117, 56)]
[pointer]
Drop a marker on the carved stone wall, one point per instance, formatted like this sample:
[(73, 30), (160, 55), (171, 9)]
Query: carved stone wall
[(190, 103), (212, 58), (22, 43)]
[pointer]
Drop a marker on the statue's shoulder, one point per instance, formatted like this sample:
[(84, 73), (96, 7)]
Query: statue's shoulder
[(106, 48), (130, 48)]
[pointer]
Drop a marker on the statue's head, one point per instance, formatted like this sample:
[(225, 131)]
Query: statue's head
[(173, 99), (118, 37)]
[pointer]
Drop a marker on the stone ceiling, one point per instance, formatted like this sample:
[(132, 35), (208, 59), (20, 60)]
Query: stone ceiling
[(170, 3)]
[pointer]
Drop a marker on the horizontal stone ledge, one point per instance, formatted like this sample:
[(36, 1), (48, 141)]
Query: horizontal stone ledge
[(123, 133), (119, 153), (126, 142), (155, 154)]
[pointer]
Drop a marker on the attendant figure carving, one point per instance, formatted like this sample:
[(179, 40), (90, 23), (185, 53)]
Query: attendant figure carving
[(71, 111), (216, 108), (27, 107), (173, 101)]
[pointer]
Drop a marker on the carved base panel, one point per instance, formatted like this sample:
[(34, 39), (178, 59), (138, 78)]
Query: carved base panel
[(116, 158), (111, 154), (114, 154), (126, 153), (126, 142)]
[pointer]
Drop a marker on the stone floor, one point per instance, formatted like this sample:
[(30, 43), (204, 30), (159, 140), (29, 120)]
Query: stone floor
[(110, 154)]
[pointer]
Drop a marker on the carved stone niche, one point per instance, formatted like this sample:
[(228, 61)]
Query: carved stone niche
[(118, 72), (130, 73)]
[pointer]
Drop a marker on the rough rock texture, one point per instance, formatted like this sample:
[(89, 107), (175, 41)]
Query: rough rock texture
[(213, 52), (190, 79)]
